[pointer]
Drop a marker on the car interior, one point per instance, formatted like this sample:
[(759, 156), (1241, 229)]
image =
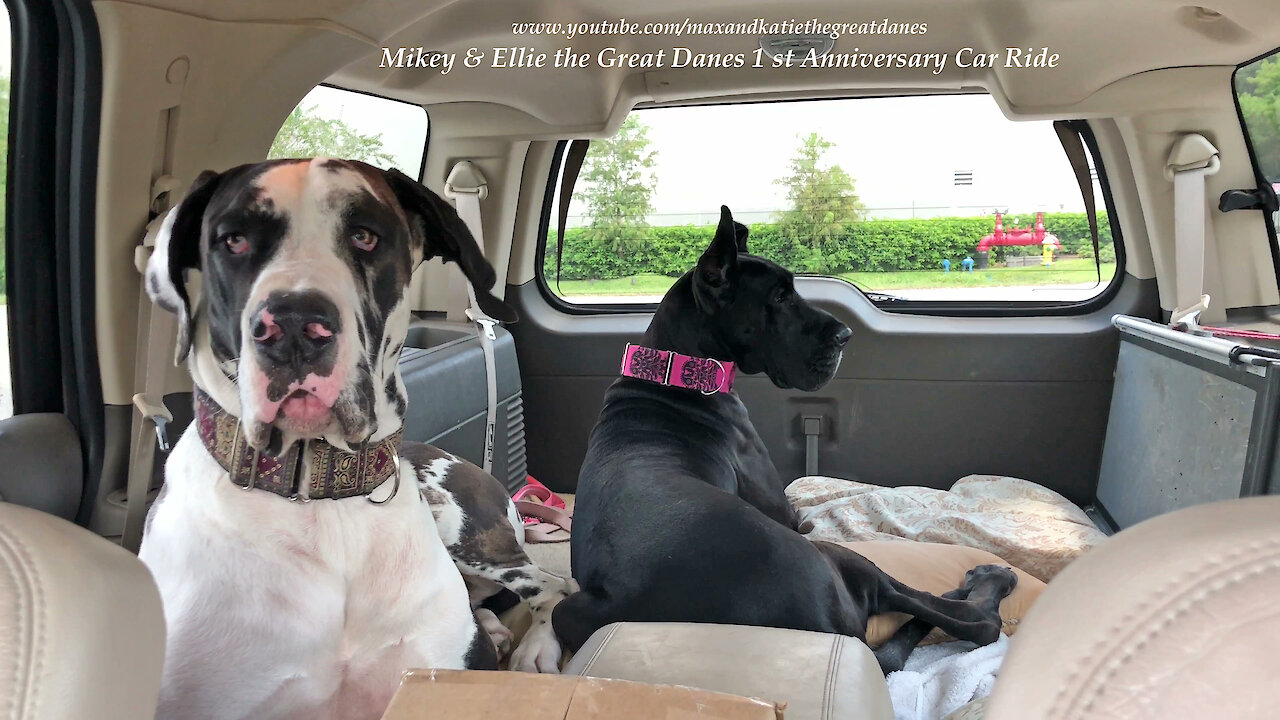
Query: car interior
[(1147, 417)]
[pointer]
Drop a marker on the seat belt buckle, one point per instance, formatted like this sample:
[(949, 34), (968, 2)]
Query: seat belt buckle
[(1189, 320), (486, 323), (159, 415)]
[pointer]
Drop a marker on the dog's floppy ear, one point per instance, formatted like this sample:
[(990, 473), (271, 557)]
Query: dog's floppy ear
[(177, 249), (719, 263), (436, 225)]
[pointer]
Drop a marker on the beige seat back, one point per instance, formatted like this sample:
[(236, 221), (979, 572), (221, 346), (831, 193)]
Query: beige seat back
[(81, 627), (1177, 617)]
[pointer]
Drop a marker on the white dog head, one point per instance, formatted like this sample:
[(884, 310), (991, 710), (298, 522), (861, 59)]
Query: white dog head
[(306, 266)]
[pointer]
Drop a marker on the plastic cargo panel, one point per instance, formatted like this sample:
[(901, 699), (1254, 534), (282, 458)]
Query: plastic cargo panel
[(1192, 420), (442, 365)]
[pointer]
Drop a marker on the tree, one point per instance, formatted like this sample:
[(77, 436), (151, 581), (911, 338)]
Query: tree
[(1258, 87), (823, 201), (619, 187), (306, 134)]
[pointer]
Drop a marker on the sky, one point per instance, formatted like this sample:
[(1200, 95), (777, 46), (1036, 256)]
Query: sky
[(902, 153)]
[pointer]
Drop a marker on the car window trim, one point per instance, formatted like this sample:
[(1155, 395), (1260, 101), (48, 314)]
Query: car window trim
[(955, 308)]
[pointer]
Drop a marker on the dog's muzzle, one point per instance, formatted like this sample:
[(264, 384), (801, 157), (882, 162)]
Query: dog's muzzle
[(295, 339), (295, 329)]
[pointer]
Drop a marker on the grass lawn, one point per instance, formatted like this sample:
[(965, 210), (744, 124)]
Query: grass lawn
[(634, 285), (1062, 272)]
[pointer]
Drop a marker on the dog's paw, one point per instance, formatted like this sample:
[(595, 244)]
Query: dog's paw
[(538, 652), (498, 633)]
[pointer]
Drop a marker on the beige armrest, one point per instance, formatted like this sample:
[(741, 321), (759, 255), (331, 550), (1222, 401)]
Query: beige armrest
[(818, 676)]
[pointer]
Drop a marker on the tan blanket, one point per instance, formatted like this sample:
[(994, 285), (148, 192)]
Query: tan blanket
[(1029, 526)]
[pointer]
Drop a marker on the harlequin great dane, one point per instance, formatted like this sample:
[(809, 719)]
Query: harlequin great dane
[(305, 556), (680, 515)]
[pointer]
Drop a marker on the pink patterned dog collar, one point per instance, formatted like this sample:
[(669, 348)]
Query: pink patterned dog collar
[(665, 367)]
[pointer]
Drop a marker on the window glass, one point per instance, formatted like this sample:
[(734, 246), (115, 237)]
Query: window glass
[(1258, 91), (934, 198), (6, 56), (337, 123)]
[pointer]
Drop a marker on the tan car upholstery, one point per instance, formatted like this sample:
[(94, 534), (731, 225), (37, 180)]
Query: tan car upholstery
[(1177, 617), (818, 676), (81, 627)]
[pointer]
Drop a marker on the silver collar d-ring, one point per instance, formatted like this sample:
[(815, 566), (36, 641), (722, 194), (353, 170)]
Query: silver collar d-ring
[(395, 458)]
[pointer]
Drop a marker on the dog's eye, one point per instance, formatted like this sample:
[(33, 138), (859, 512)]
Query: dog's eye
[(236, 243), (364, 239), (780, 295)]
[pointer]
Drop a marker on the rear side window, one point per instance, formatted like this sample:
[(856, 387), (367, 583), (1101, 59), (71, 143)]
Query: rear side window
[(931, 198), (1257, 88), (6, 375), (337, 123)]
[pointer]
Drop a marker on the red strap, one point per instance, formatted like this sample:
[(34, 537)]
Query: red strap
[(539, 493), (1250, 334)]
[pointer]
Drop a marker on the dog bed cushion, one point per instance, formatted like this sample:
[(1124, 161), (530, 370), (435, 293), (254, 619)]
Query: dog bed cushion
[(1031, 527), (932, 567), (938, 568)]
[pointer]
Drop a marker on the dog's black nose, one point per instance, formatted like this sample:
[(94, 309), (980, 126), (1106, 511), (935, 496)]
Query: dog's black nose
[(843, 335), (295, 328)]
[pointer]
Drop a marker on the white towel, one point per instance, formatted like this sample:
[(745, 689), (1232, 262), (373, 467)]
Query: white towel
[(940, 679)]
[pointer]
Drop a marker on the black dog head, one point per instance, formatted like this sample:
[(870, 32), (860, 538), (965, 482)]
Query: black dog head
[(305, 267), (752, 309)]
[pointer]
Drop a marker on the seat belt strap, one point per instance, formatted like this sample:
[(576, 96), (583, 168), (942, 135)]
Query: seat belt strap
[(466, 186), (568, 178), (1072, 144), (812, 427), (1191, 160), (157, 333)]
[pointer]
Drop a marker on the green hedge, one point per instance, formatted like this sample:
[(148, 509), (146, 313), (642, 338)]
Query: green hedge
[(871, 245)]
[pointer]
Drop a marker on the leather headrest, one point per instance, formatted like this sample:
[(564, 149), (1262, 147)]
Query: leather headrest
[(1176, 617), (81, 625)]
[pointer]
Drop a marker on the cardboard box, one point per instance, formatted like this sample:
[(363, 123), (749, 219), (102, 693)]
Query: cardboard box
[(480, 695)]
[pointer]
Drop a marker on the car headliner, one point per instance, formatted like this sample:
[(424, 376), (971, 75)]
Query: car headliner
[(1099, 41)]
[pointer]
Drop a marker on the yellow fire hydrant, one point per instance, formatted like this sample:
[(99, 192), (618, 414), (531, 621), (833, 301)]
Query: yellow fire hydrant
[(1049, 244)]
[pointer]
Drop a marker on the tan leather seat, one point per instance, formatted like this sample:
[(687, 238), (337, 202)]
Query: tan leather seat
[(818, 676), (1178, 617), (81, 627)]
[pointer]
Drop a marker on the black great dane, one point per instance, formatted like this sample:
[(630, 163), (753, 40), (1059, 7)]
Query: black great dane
[(680, 513)]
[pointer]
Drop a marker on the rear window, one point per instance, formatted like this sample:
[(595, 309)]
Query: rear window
[(932, 198), (337, 123)]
